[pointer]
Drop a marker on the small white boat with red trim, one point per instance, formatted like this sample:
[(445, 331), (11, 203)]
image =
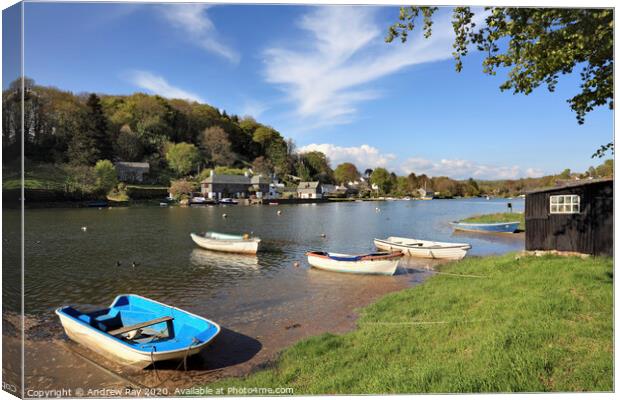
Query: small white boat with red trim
[(381, 263)]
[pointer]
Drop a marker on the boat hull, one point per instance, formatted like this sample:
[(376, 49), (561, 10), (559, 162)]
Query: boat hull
[(426, 249), (500, 227), (249, 246), (386, 266), (118, 351)]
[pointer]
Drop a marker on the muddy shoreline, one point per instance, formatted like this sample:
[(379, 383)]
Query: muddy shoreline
[(53, 362)]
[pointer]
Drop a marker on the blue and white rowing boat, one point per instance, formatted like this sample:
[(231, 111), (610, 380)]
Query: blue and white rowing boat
[(496, 227), (138, 331)]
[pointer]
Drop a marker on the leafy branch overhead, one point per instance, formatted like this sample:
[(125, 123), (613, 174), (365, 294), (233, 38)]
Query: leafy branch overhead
[(537, 45)]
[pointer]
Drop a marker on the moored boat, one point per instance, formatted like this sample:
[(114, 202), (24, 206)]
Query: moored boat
[(138, 331), (424, 248), (382, 263), (227, 243), (494, 227), (228, 201)]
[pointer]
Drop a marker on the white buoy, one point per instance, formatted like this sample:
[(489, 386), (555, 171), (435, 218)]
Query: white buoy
[(296, 264), (224, 215), (279, 212), (323, 235), (84, 229), (377, 209)]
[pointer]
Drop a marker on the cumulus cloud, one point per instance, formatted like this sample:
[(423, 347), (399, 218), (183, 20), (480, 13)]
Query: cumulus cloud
[(363, 156), (158, 85), (462, 169), (328, 75), (193, 20)]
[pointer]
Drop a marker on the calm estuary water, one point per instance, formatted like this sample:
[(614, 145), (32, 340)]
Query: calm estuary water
[(65, 265), (263, 303)]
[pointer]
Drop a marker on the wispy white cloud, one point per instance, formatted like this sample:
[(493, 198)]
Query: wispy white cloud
[(158, 85), (366, 156), (253, 108), (462, 169), (328, 74), (194, 21), (363, 156)]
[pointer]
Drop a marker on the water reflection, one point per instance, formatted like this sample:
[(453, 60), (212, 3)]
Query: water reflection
[(202, 258), (66, 265)]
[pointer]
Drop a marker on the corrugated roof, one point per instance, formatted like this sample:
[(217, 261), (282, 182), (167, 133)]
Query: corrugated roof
[(581, 182)]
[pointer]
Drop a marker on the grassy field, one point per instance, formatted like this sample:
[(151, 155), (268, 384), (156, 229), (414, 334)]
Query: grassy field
[(530, 324), (41, 176), (499, 217)]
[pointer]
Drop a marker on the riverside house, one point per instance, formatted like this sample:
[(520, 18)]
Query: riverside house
[(219, 186), (132, 172), (310, 190)]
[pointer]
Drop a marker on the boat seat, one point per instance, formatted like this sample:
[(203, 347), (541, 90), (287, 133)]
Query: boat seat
[(126, 329)]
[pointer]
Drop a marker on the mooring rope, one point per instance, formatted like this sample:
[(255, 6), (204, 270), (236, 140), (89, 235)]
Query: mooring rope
[(426, 322)]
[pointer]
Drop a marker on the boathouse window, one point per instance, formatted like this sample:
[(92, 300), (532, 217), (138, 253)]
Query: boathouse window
[(564, 204)]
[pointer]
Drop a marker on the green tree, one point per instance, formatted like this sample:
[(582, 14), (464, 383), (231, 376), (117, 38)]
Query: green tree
[(106, 176), (317, 165), (605, 170), (382, 178), (97, 127), (535, 45), (182, 157), (128, 145), (82, 148), (346, 172), (565, 174)]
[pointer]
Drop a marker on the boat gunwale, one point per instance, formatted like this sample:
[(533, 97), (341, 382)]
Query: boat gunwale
[(249, 240), (464, 246), (59, 311), (388, 256)]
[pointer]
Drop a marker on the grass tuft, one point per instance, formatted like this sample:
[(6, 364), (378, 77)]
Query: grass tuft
[(498, 217)]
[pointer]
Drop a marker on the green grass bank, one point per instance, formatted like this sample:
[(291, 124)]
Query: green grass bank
[(498, 217), (529, 324)]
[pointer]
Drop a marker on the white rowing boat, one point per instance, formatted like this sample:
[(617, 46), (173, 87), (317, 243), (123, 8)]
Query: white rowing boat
[(373, 263), (227, 243), (424, 248)]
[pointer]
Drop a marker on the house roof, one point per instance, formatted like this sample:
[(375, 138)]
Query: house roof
[(581, 182), (308, 185), (132, 165), (235, 179), (259, 179)]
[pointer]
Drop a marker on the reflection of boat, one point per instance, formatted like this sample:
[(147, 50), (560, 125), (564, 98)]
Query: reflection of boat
[(495, 227), (200, 200), (208, 258), (97, 203), (424, 248), (227, 243), (228, 201), (374, 263), (139, 331)]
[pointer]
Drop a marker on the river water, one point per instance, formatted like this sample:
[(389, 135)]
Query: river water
[(264, 302)]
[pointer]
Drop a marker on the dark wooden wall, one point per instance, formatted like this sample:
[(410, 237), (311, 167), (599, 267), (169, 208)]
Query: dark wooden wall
[(590, 231)]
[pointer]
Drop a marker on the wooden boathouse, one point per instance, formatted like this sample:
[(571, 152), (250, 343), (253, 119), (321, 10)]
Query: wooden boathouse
[(577, 217)]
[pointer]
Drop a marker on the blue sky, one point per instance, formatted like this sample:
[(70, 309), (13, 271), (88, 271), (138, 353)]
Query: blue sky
[(323, 76)]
